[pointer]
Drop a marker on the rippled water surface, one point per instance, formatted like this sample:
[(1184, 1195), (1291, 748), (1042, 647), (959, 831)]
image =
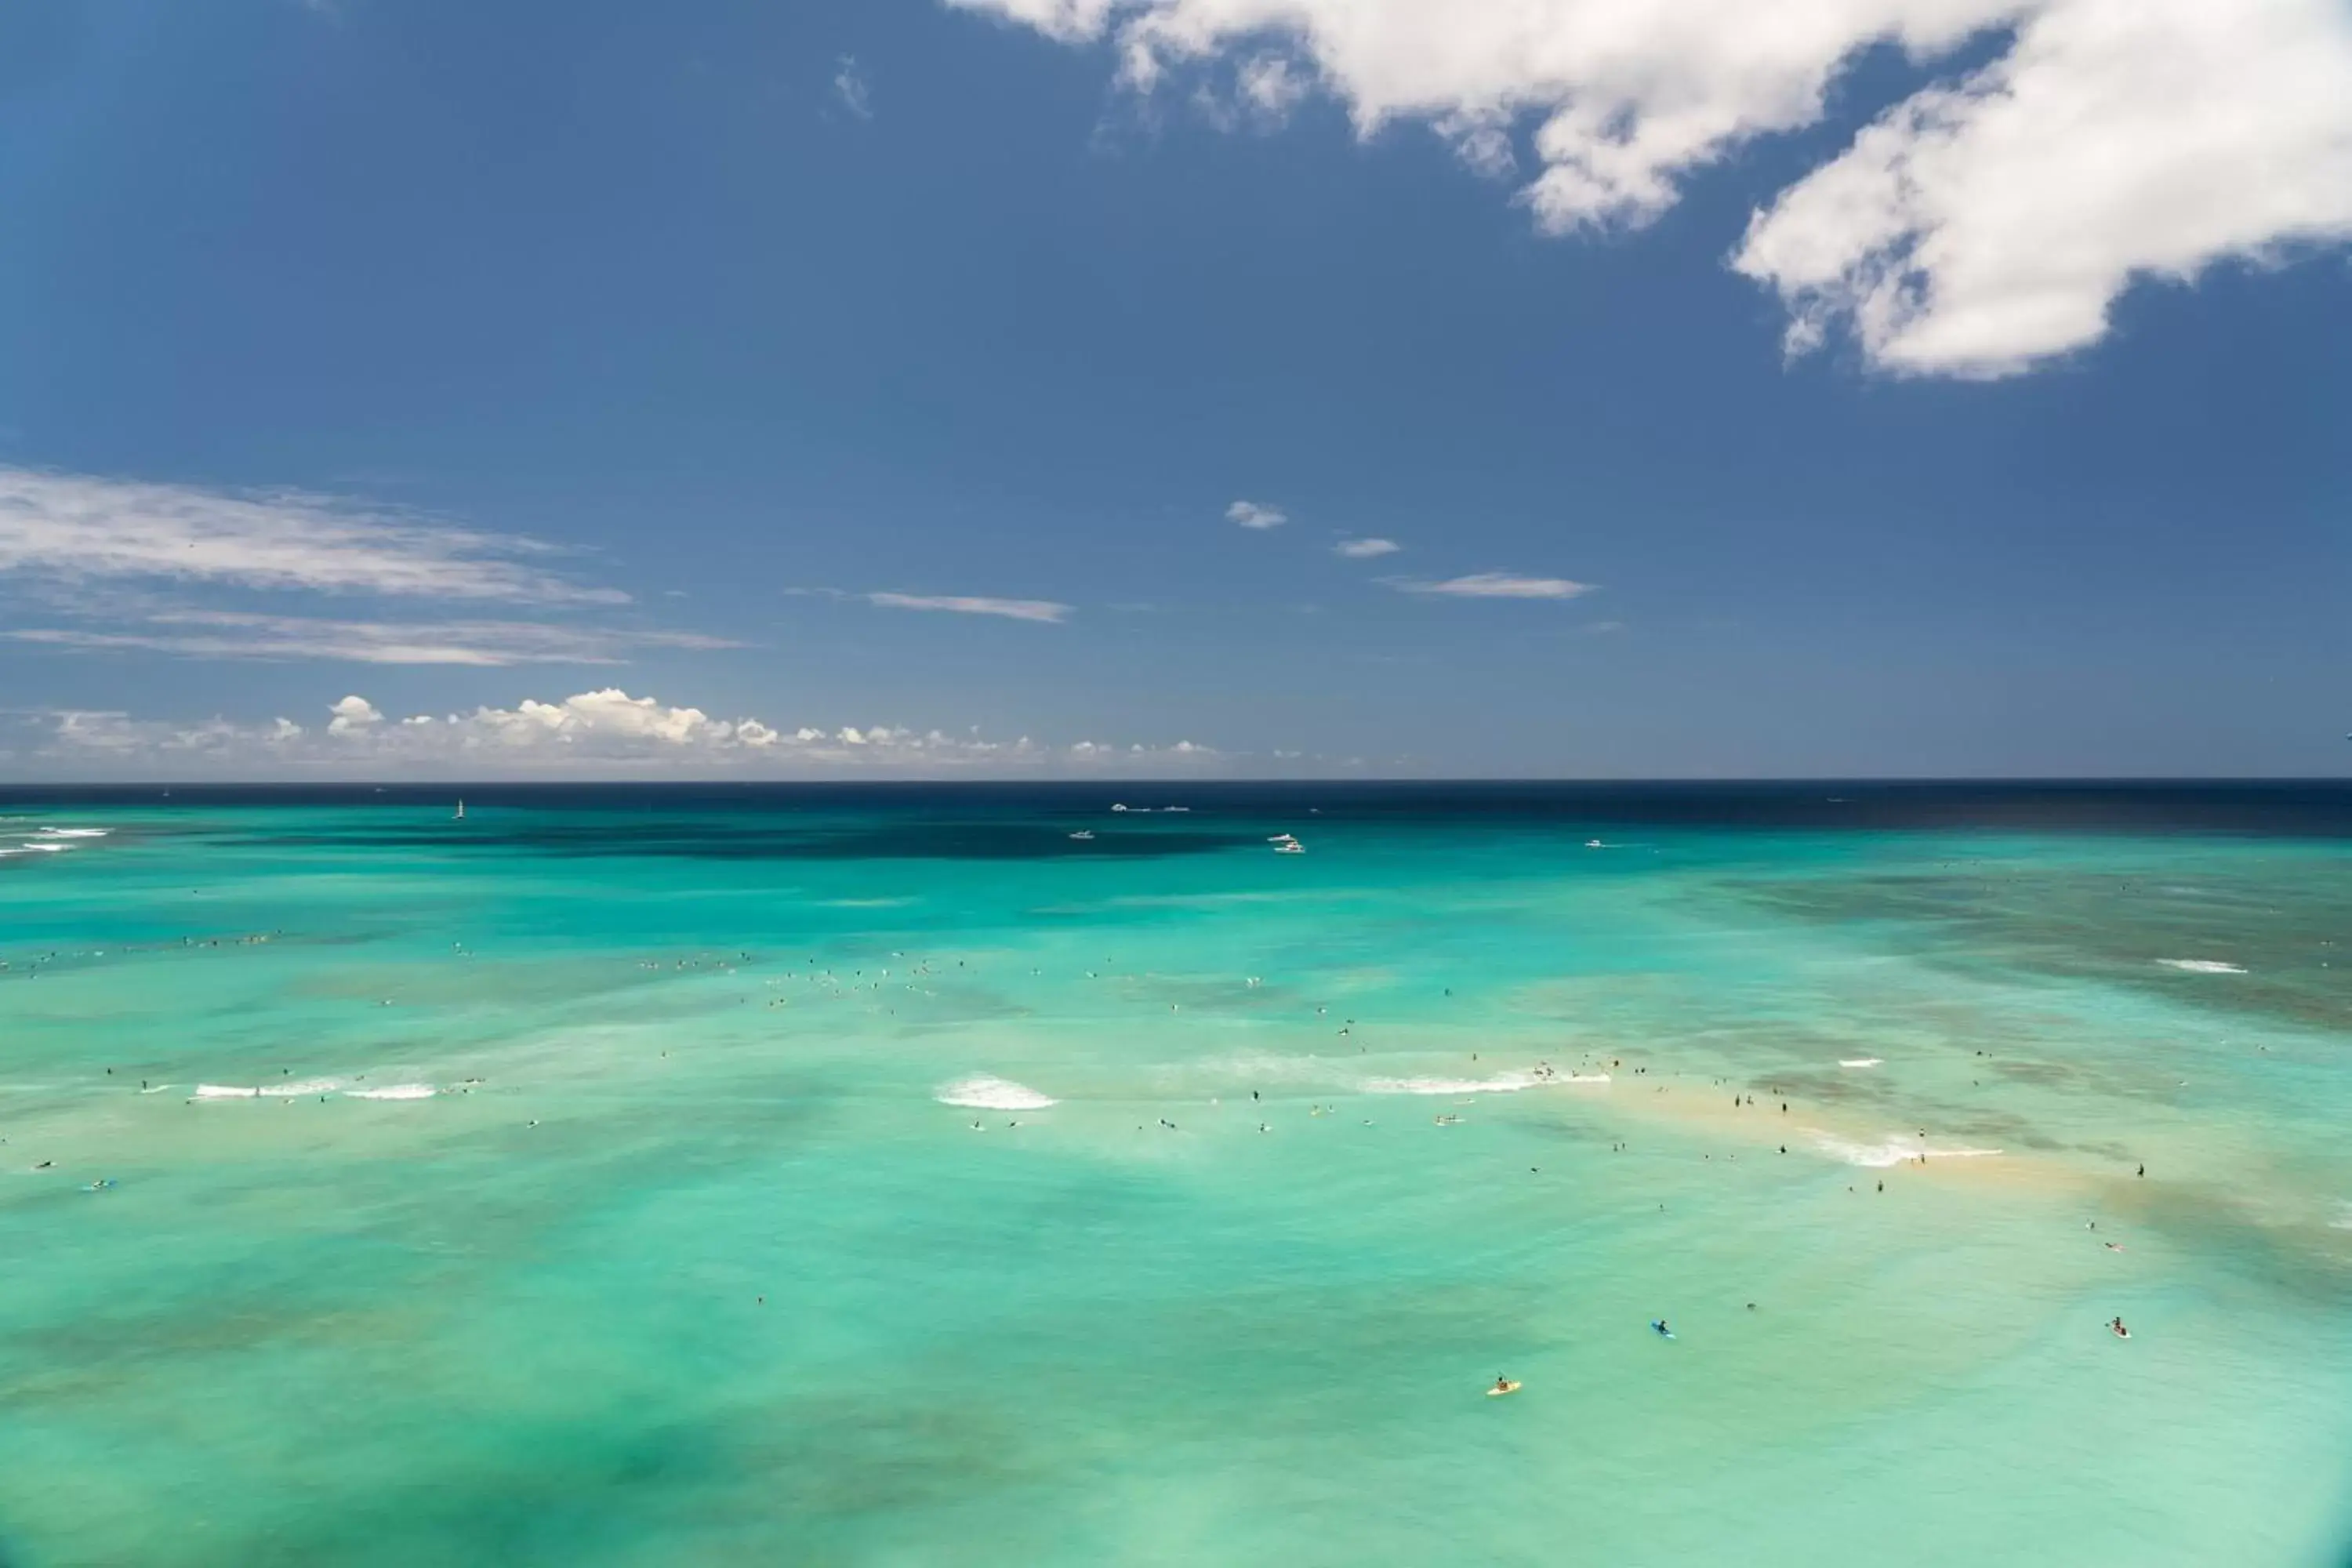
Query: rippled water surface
[(639, 1175)]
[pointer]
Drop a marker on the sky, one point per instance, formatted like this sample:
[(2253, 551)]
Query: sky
[(1175, 388)]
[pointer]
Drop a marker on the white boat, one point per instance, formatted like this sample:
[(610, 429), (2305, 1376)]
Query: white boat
[(1082, 834), (1293, 848), (1118, 808), (1594, 844), (1282, 838)]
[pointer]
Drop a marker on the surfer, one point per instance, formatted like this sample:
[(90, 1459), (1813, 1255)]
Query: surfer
[(1658, 1326), (1503, 1385), (2117, 1328)]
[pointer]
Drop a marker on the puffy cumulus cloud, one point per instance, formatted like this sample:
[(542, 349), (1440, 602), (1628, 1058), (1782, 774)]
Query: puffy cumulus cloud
[(352, 716), (589, 733), (78, 528), (1257, 514), (1975, 228), (1365, 549)]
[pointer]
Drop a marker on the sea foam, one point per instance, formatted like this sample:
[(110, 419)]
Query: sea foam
[(983, 1091), (1501, 1083), (1895, 1151), (2202, 965), (393, 1092)]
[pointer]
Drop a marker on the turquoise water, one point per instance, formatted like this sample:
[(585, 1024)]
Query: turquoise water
[(578, 1184)]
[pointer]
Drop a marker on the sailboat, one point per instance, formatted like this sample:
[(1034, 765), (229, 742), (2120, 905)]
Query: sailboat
[(460, 816)]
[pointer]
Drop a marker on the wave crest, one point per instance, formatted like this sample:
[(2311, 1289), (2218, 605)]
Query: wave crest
[(985, 1091)]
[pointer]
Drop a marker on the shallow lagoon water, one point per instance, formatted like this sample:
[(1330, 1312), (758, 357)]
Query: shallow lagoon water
[(694, 1251)]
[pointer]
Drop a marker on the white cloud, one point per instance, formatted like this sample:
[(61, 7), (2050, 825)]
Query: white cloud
[(850, 86), (592, 731), (75, 528), (212, 634), (351, 715), (964, 604), (1976, 229), (1973, 230), (1500, 586), (1365, 549), (1268, 84), (1257, 514), (1072, 21)]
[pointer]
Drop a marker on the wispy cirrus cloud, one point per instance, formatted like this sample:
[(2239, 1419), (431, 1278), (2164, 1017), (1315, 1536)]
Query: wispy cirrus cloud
[(1365, 549), (1257, 514), (76, 528), (98, 564), (969, 605), (1497, 585), (219, 634), (850, 86)]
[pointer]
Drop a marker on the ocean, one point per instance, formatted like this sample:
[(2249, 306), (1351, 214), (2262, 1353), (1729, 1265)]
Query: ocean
[(645, 1174)]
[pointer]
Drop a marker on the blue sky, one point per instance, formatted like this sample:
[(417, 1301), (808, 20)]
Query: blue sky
[(873, 383)]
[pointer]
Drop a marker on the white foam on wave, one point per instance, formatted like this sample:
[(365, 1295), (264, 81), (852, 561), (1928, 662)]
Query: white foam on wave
[(36, 848), (303, 1085), (75, 831), (393, 1092), (292, 1088), (2202, 965), (1895, 1151), (1501, 1083), (1863, 1062), (984, 1091)]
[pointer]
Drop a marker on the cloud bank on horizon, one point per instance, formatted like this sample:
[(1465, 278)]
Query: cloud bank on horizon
[(1984, 224), (590, 732)]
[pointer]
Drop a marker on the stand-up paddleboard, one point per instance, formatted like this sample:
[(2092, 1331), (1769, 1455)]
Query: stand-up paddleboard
[(1500, 1389), (2117, 1329)]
